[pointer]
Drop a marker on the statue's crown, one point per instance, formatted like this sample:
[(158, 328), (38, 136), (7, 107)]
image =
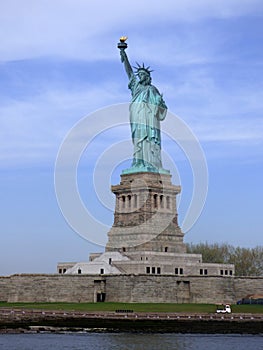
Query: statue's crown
[(140, 68)]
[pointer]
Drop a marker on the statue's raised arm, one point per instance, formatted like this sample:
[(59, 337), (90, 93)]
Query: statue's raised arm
[(147, 109), (122, 46)]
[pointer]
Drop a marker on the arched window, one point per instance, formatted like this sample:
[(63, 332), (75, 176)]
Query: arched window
[(129, 201), (168, 202), (155, 197), (123, 201), (135, 201), (161, 201)]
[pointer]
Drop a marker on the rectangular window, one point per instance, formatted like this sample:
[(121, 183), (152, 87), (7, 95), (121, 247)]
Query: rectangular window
[(230, 272), (176, 270), (205, 271), (221, 272), (201, 271), (60, 271), (158, 270), (226, 272), (181, 271), (101, 271), (148, 269), (153, 269)]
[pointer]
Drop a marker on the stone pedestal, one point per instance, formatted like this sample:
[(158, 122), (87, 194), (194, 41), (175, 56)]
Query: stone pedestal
[(145, 217)]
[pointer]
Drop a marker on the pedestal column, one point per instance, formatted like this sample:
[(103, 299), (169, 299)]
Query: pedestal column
[(145, 215)]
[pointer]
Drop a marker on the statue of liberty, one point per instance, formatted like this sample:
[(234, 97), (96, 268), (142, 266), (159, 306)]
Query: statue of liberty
[(147, 109)]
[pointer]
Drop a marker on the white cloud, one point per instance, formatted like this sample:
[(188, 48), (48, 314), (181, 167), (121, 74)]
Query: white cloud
[(32, 129), (87, 29), (218, 110)]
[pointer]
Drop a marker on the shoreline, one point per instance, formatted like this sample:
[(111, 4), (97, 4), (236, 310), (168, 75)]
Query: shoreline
[(38, 321)]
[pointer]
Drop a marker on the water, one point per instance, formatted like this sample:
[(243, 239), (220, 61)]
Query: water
[(129, 341)]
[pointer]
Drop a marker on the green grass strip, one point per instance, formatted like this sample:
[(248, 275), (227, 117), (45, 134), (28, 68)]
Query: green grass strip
[(136, 307)]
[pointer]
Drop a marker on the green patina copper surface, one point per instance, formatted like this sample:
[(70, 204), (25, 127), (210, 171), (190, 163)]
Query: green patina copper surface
[(147, 109)]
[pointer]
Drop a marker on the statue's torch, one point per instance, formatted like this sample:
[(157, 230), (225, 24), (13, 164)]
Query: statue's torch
[(122, 46)]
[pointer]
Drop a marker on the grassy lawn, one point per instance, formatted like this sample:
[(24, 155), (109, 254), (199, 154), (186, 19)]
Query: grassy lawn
[(136, 307)]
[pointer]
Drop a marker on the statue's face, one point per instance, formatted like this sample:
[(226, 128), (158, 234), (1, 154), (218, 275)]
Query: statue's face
[(143, 76)]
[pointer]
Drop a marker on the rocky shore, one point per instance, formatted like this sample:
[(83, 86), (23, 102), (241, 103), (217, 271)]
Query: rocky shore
[(36, 321)]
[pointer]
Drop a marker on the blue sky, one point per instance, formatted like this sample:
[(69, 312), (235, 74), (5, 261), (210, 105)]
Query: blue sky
[(59, 63)]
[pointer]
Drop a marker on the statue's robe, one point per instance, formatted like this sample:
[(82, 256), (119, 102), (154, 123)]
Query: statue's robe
[(146, 112)]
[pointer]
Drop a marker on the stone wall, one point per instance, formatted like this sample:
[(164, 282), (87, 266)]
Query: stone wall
[(4, 288), (145, 288), (245, 286), (50, 288), (145, 217), (127, 288)]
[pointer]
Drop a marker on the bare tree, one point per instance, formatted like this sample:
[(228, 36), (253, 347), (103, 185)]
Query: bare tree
[(248, 261)]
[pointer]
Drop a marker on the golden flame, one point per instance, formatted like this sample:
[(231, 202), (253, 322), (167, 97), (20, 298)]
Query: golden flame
[(123, 39)]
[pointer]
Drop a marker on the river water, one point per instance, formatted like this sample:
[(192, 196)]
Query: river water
[(129, 341)]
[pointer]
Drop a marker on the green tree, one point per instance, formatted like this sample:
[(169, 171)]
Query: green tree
[(247, 261)]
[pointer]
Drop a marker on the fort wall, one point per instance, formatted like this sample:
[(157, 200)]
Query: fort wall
[(127, 288), (4, 288)]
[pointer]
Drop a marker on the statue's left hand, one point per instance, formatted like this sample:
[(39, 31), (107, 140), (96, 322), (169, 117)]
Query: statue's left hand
[(161, 102)]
